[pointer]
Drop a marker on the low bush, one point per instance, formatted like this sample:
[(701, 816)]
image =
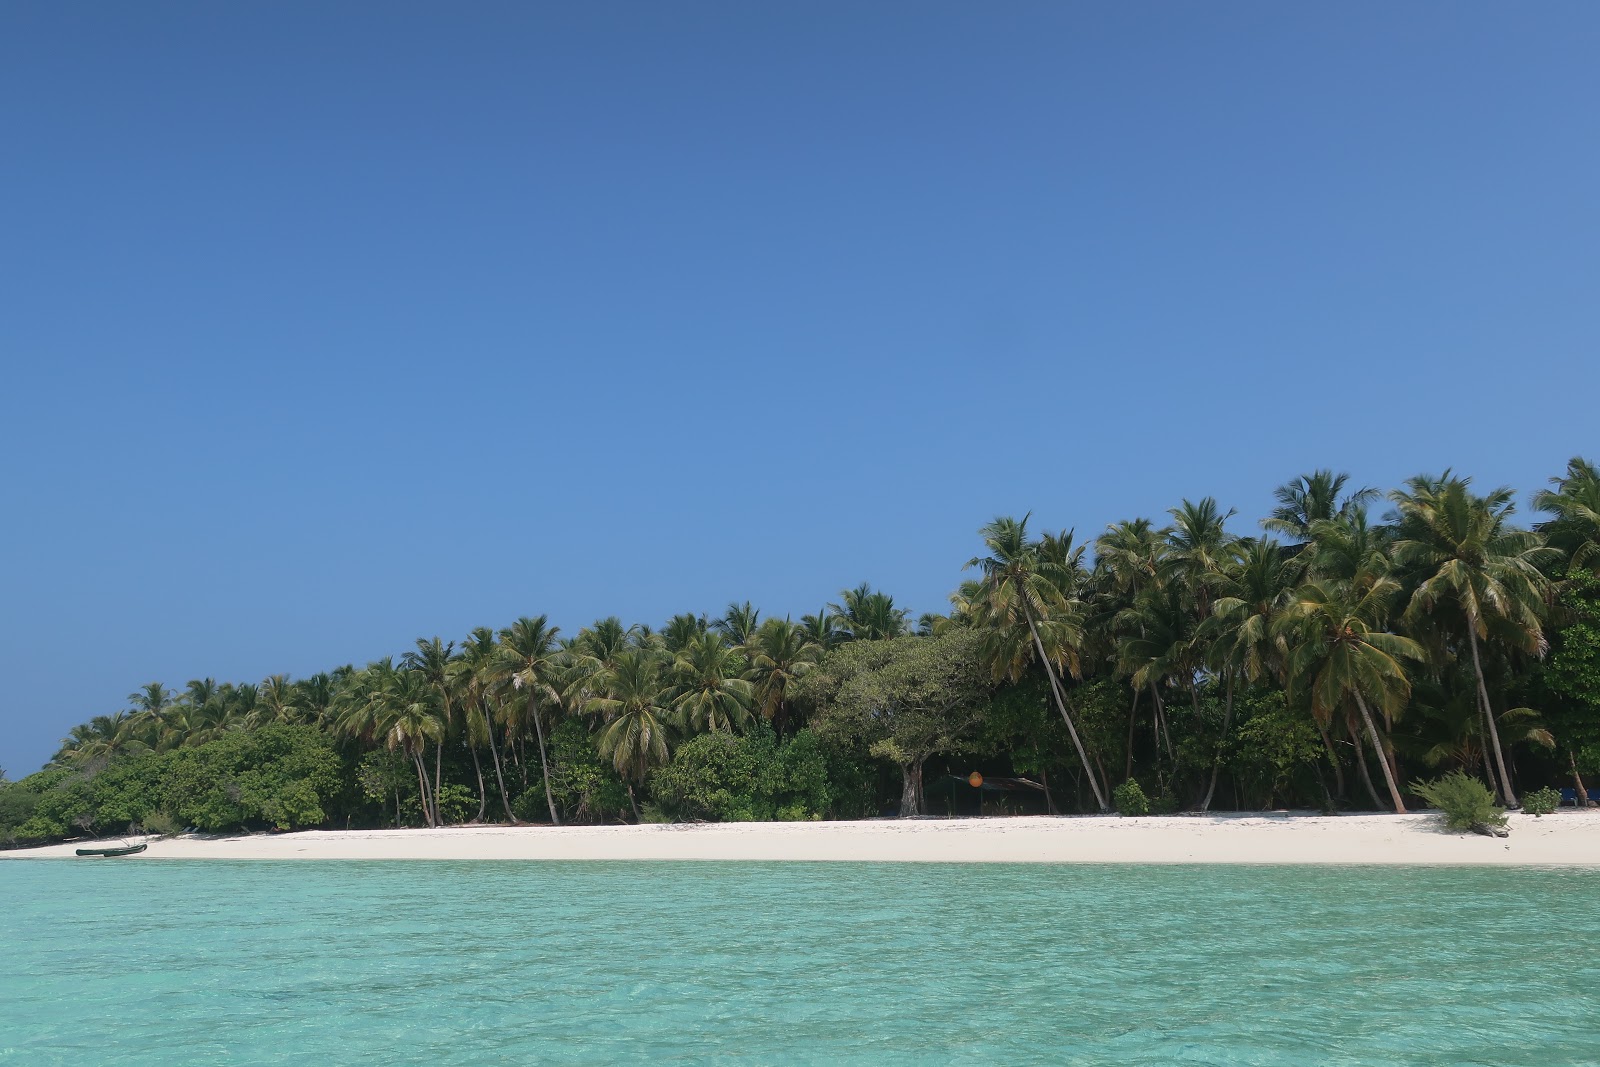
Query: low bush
[(1129, 799), (1466, 802), (1541, 801)]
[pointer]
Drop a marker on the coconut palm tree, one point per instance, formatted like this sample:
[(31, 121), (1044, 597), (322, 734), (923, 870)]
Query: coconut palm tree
[(1239, 635), (1022, 592), (410, 719), (474, 678), (822, 629), (1339, 650), (530, 663), (779, 654), (708, 689), (1313, 498), (738, 623), (635, 729), (681, 629), (431, 659), (1472, 566), (1575, 503), (867, 615)]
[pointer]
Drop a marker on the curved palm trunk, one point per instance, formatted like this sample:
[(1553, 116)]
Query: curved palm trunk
[(1061, 705), (1577, 780), (1133, 714), (477, 768), (1377, 746), (1216, 764), (499, 774), (1333, 758), (1488, 717), (544, 763), (423, 790), (438, 778)]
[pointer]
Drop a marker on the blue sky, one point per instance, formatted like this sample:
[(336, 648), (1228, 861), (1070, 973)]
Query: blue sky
[(325, 328)]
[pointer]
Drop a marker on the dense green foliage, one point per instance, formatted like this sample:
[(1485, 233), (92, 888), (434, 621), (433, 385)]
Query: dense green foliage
[(1129, 799), (1466, 802), (1320, 665), (1541, 801)]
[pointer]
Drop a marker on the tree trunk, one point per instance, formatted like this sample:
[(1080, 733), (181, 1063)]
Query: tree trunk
[(1133, 714), (544, 763), (424, 791), (910, 794), (1161, 724), (633, 802), (1366, 777), (494, 754), (477, 768), (1488, 717), (1049, 801), (438, 779), (1577, 780), (1216, 764), (1061, 705), (1333, 758), (1377, 747)]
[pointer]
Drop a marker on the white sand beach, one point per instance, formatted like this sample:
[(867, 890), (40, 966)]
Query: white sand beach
[(1570, 838)]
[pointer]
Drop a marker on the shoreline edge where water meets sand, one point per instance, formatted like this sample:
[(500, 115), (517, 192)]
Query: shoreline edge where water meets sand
[(1569, 839)]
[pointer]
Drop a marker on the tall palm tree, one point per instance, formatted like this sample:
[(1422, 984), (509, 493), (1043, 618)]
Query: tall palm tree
[(277, 701), (475, 676), (822, 629), (1468, 561), (1313, 498), (682, 629), (1240, 632), (868, 615), (431, 659), (154, 698), (1339, 650), (708, 689), (530, 663), (1020, 591), (409, 720), (738, 623), (1575, 503), (779, 654), (635, 730)]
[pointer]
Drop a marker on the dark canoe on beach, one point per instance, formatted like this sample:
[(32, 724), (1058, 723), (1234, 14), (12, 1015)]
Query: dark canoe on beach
[(126, 850)]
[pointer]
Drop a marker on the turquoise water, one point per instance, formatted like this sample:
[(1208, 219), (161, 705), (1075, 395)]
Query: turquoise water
[(166, 962)]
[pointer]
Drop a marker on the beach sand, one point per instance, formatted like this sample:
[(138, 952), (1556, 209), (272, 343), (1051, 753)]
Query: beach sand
[(1570, 838)]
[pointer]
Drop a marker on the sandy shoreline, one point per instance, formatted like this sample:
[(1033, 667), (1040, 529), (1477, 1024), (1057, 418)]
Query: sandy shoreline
[(1569, 838)]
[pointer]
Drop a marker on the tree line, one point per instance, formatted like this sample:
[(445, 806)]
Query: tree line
[(1359, 641)]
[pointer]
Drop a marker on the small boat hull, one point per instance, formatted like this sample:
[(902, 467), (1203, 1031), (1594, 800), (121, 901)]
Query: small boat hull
[(128, 850)]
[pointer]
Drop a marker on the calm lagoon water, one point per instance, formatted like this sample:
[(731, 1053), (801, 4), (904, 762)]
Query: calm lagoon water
[(165, 962)]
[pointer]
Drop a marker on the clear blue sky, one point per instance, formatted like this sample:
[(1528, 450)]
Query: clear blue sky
[(327, 327)]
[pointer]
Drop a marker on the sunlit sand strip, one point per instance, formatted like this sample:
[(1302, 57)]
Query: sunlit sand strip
[(1565, 839)]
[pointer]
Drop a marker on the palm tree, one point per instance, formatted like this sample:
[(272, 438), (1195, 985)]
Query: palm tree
[(738, 623), (153, 698), (635, 730), (1339, 651), (409, 721), (779, 654), (1241, 629), (1575, 503), (1020, 591), (276, 701), (708, 690), (530, 662), (682, 629), (1313, 498), (867, 615), (432, 659), (821, 629), (476, 674), (1469, 561)]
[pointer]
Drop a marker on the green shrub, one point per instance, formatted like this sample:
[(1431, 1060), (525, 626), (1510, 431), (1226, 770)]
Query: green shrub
[(1466, 802), (159, 822), (1541, 801), (1129, 799), (754, 778)]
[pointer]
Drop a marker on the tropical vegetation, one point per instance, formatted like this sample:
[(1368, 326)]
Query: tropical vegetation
[(1354, 643)]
